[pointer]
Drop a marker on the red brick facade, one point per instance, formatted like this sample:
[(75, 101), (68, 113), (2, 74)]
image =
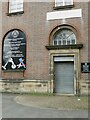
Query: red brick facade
[(34, 24)]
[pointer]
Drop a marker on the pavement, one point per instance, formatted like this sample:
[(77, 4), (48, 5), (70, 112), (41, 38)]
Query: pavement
[(43, 106), (53, 102)]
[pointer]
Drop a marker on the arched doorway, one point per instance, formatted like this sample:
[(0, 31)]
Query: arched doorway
[(64, 60), (64, 65)]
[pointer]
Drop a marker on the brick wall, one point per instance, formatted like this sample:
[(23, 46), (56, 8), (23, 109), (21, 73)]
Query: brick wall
[(37, 29), (33, 23)]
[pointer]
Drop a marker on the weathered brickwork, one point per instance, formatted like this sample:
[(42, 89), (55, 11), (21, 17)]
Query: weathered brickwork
[(37, 28)]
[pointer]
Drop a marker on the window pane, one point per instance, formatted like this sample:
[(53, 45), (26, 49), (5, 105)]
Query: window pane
[(63, 2), (68, 2), (68, 42), (73, 41), (59, 42), (55, 42), (58, 3), (64, 42)]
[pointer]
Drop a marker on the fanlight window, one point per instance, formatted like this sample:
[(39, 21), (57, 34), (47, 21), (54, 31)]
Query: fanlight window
[(64, 37)]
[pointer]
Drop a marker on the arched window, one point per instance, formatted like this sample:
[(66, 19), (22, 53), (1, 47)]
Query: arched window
[(64, 36)]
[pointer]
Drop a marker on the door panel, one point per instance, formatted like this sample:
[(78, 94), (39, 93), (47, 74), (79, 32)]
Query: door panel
[(64, 77)]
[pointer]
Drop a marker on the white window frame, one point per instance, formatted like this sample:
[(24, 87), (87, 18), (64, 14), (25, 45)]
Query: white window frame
[(63, 3), (15, 6), (56, 41)]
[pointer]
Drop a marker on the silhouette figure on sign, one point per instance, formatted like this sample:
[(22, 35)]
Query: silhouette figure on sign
[(86, 67), (10, 60), (21, 64)]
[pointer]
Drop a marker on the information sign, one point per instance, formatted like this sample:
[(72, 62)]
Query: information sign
[(85, 67), (14, 50)]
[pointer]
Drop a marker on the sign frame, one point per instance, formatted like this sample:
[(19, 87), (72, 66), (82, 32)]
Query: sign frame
[(85, 67), (14, 50)]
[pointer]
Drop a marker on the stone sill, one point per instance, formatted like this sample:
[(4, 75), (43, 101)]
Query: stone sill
[(63, 7), (24, 80), (15, 13), (55, 47)]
